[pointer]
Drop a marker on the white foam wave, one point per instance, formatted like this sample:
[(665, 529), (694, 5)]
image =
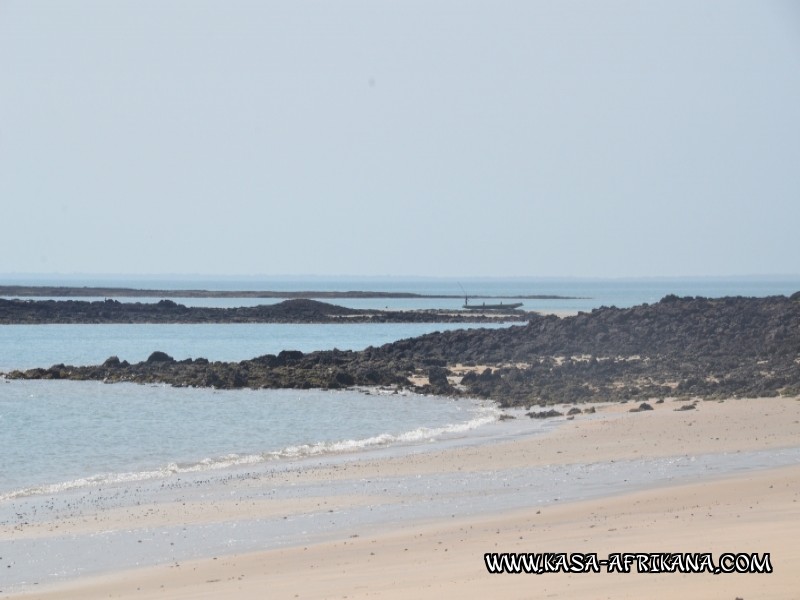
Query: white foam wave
[(384, 439), (485, 415)]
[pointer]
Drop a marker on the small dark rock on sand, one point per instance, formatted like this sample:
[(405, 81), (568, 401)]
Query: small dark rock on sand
[(545, 414)]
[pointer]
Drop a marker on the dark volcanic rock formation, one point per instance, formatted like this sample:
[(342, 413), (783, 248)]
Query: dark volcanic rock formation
[(167, 311), (545, 414), (679, 347)]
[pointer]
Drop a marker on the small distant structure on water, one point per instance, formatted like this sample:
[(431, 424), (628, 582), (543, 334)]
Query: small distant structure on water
[(484, 306)]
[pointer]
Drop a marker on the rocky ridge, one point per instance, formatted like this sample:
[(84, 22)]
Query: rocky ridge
[(678, 347), (298, 310)]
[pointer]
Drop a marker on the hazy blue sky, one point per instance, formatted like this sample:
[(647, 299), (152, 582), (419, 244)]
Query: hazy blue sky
[(400, 137)]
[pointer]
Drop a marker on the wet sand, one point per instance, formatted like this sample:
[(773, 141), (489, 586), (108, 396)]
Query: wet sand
[(723, 477)]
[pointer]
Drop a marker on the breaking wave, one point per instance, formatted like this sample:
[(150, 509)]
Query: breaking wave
[(485, 415)]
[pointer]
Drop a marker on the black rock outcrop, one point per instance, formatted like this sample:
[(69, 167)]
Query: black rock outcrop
[(679, 347), (298, 310)]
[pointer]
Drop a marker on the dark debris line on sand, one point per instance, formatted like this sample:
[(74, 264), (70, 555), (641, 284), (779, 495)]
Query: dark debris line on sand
[(678, 347)]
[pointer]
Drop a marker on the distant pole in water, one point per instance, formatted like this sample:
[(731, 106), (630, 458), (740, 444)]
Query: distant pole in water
[(466, 298)]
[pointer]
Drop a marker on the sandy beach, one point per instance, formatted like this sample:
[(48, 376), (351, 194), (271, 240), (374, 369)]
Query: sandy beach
[(750, 505)]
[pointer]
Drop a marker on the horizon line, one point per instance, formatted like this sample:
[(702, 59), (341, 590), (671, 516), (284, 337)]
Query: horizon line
[(296, 276)]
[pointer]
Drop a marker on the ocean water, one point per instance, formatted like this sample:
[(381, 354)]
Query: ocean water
[(56, 435), (28, 346), (586, 294), (60, 435)]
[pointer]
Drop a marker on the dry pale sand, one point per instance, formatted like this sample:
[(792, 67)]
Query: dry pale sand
[(757, 511)]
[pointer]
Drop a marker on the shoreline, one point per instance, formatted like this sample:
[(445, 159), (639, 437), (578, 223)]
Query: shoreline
[(431, 560), (614, 458), (380, 439)]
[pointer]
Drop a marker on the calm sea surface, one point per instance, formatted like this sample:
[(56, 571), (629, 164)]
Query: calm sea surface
[(59, 435), (27, 346), (589, 293)]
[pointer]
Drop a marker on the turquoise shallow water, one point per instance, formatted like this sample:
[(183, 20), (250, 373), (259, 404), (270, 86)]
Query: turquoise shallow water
[(59, 435)]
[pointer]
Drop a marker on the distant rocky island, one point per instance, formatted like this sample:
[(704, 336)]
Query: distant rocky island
[(679, 347), (28, 291), (35, 312)]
